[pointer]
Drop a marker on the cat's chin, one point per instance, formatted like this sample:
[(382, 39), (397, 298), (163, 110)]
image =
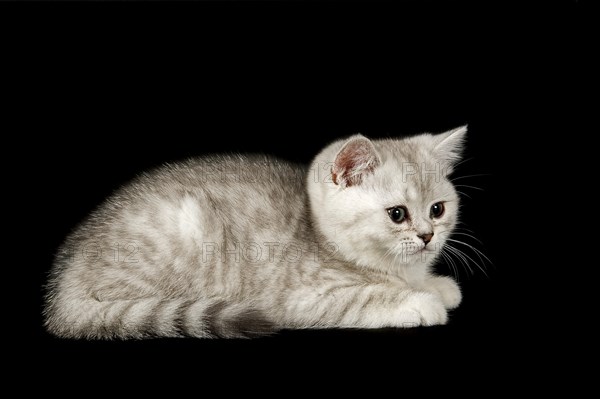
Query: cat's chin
[(416, 252), (417, 257)]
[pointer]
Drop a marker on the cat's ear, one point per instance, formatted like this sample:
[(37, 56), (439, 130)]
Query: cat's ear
[(449, 146), (354, 161)]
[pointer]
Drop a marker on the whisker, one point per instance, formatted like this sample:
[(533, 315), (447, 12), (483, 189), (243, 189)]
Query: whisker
[(389, 252), (468, 235), (471, 259), (450, 263), (468, 176), (465, 194), (468, 186), (464, 228), (478, 252), (454, 265), (462, 162), (460, 256)]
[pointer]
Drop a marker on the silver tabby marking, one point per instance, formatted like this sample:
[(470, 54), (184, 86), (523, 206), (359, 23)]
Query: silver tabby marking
[(243, 246)]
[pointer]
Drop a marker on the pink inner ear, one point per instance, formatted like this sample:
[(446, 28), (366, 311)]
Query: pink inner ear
[(356, 159)]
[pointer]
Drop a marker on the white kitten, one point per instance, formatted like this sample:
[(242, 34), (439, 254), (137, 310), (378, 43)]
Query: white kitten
[(241, 246)]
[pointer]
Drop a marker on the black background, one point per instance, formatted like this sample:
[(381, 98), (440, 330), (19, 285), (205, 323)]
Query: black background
[(105, 91)]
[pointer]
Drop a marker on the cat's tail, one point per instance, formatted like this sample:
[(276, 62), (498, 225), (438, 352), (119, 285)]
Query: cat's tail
[(153, 317)]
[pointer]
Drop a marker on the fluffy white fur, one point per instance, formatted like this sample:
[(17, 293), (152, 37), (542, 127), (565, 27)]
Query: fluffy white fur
[(225, 246), (413, 173)]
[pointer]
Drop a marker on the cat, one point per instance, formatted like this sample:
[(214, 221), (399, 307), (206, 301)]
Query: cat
[(241, 246)]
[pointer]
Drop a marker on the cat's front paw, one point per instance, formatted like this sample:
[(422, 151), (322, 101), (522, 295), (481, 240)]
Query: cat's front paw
[(447, 288), (423, 309)]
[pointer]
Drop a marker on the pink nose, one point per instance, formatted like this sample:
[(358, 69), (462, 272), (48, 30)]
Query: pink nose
[(425, 237)]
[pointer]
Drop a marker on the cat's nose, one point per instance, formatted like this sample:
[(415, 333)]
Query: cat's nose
[(425, 237)]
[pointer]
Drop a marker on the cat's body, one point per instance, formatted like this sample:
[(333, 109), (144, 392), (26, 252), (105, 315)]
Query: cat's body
[(240, 246)]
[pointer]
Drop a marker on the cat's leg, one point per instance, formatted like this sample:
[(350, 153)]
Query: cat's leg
[(446, 288), (363, 306)]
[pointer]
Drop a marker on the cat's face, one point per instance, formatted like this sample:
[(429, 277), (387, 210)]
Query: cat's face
[(389, 203)]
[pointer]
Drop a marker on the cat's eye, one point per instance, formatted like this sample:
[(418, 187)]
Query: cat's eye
[(437, 210), (397, 214)]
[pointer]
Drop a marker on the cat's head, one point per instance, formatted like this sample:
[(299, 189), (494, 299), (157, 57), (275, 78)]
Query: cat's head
[(387, 204)]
